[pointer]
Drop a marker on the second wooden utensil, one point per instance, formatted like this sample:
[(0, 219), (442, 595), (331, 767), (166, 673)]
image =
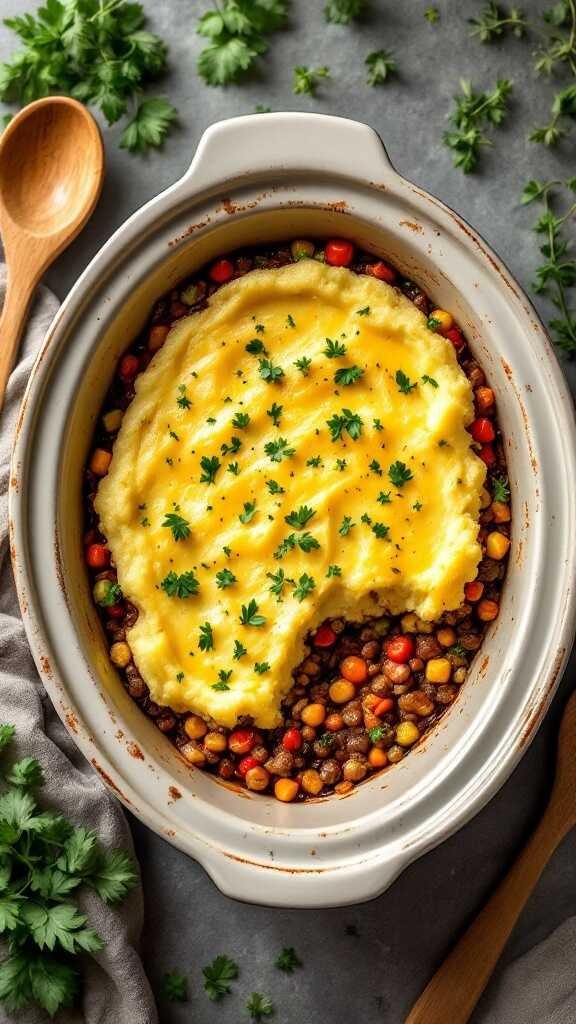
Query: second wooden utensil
[(456, 987)]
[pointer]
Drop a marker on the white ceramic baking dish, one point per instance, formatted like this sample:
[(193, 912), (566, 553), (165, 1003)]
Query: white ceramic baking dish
[(261, 178)]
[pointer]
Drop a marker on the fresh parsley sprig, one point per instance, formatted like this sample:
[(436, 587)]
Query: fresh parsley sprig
[(381, 66), (557, 273), (473, 113), (306, 80), (495, 20), (342, 12), (45, 859), (100, 53), (217, 977), (236, 34)]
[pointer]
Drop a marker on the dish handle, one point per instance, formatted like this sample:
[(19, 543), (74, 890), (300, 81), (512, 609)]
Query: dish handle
[(288, 143)]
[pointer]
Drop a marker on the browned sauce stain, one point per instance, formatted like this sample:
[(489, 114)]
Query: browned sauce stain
[(108, 780), (45, 665), (190, 231), (519, 553), (484, 665), (71, 721), (275, 867), (534, 713), (14, 483), (120, 734), (134, 751), (529, 388), (175, 794), (412, 226), (339, 206), (507, 369)]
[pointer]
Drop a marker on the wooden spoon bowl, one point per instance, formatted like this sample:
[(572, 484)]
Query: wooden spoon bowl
[(51, 174)]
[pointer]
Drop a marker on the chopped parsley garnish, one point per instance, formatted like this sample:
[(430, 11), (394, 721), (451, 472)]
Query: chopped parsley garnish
[(288, 960), (259, 1006), (334, 570), (442, 443), (210, 464), (334, 349), (239, 650), (249, 512), (180, 527), (375, 467), (384, 498), (279, 581), (303, 364), (290, 322), (174, 987), (300, 518), (279, 449), (249, 615), (185, 585), (269, 372), (364, 311), (231, 449), (326, 739), (365, 518), (377, 424), (306, 542), (259, 328), (206, 641), (274, 487), (184, 402), (234, 468), (380, 530), (174, 435), (457, 649), (179, 677), (256, 347), (426, 379), (381, 65), (274, 412), (304, 587), (417, 506), (349, 421), (379, 732), (500, 490), (399, 474), (314, 460), (403, 382), (241, 420), (432, 323), (220, 685), (341, 465), (227, 551), (345, 526), (224, 676), (225, 578), (217, 977), (261, 667), (347, 375)]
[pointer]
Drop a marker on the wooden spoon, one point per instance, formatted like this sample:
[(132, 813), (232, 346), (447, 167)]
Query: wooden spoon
[(51, 173), (458, 984)]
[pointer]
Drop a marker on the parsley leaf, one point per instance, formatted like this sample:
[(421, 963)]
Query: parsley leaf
[(306, 80), (472, 114), (261, 667), (255, 347), (275, 412), (274, 487), (432, 14), (345, 526), (225, 578), (380, 530), (149, 126), (278, 450), (279, 581), (217, 977), (403, 382), (342, 12), (347, 375), (375, 467), (334, 349), (381, 65), (249, 512), (259, 1006), (180, 527), (287, 960), (384, 498), (249, 615), (210, 464), (494, 21), (304, 587), (365, 311), (174, 987), (303, 364), (185, 585), (300, 518), (334, 570), (269, 372), (500, 490), (348, 421), (306, 542), (206, 641), (241, 420), (399, 474), (429, 380)]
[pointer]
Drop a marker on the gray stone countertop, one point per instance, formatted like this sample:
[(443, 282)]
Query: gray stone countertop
[(366, 962)]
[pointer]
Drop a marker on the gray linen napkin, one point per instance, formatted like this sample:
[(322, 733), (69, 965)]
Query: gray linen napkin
[(116, 990)]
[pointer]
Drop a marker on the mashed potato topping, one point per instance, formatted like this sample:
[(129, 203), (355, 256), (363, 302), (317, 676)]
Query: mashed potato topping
[(295, 451)]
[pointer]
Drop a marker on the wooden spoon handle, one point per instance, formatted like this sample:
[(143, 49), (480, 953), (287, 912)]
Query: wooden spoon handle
[(456, 987), (19, 290)]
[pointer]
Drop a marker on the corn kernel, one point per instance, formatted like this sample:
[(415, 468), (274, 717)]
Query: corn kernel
[(312, 782), (216, 742), (438, 670), (157, 336), (286, 790), (487, 610), (501, 512), (445, 319), (407, 733), (342, 691), (195, 727), (112, 420), (120, 654), (497, 545), (257, 779), (193, 754), (313, 714), (446, 637)]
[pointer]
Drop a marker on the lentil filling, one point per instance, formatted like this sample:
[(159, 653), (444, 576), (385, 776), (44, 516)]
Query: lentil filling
[(365, 693)]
